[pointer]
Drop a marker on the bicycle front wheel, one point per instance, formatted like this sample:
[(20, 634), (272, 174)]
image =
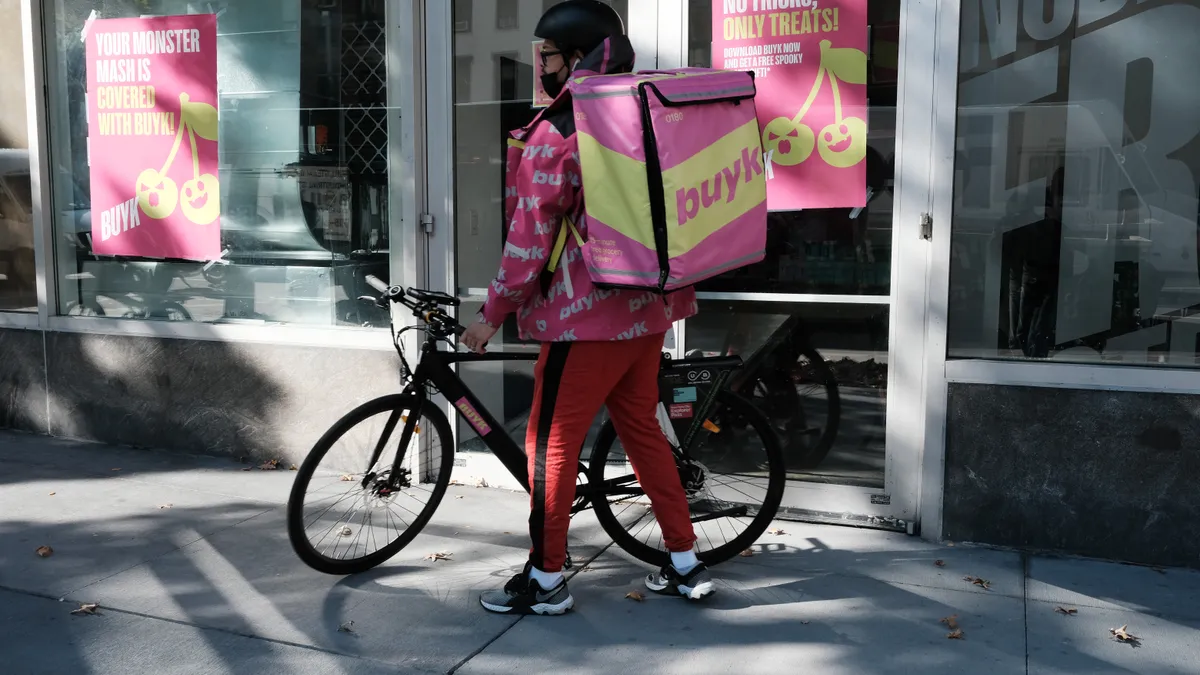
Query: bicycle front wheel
[(732, 472), (353, 506)]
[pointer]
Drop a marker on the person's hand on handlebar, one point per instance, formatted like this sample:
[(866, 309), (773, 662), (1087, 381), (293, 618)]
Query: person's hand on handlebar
[(477, 336)]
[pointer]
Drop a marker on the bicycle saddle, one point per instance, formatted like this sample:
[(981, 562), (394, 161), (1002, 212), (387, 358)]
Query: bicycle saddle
[(434, 297)]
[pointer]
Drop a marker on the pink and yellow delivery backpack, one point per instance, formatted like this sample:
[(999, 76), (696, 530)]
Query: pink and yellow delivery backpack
[(673, 177)]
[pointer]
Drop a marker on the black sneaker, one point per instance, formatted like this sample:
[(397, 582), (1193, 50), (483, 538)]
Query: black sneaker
[(696, 584), (523, 595)]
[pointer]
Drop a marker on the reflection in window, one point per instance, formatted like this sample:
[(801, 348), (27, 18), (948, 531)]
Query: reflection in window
[(1078, 158), (819, 374), (462, 78), (507, 17), (303, 143), (464, 10), (496, 100), (18, 276)]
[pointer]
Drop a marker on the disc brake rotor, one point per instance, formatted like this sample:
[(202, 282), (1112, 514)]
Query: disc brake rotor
[(694, 475)]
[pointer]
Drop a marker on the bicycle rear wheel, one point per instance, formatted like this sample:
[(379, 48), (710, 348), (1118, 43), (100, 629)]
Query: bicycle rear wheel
[(732, 471), (348, 512), (802, 401)]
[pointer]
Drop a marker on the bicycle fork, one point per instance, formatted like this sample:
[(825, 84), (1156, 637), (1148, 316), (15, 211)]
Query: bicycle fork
[(399, 476)]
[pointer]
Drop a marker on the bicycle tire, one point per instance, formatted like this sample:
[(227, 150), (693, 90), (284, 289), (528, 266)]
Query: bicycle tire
[(778, 383), (432, 418), (777, 479)]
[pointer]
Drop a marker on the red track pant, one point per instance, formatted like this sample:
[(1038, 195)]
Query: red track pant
[(572, 381)]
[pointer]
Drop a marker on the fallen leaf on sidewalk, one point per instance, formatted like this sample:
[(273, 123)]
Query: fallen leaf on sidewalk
[(87, 608), (747, 553), (1123, 635), (481, 483), (269, 465), (950, 544), (951, 621), (53, 493), (440, 555), (44, 551), (939, 563), (116, 469), (346, 531), (347, 478), (1069, 611), (776, 531), (635, 596), (347, 627), (165, 506), (293, 468), (455, 481), (982, 583), (459, 496), (956, 634)]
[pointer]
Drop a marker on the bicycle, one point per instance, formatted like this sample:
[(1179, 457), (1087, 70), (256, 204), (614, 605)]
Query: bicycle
[(354, 502)]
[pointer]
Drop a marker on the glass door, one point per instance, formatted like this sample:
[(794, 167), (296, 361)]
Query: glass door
[(836, 311), (480, 83)]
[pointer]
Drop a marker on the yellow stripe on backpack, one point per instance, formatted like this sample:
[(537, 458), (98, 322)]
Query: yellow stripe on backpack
[(561, 243)]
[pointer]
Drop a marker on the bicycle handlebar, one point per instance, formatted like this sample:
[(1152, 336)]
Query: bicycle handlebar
[(430, 313), (374, 282)]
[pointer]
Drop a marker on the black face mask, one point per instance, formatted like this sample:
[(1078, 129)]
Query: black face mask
[(551, 84)]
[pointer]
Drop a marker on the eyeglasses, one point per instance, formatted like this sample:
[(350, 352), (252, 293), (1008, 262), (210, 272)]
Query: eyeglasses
[(546, 54)]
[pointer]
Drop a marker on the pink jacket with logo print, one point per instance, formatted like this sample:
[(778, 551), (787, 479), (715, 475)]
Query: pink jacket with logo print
[(543, 185)]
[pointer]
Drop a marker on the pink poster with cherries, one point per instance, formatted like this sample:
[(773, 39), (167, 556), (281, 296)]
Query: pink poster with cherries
[(810, 65), (152, 136)]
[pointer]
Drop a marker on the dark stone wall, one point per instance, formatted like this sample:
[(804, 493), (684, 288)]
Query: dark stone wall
[(208, 397), (22, 381), (1097, 473)]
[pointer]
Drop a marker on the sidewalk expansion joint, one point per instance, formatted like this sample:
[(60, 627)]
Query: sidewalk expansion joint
[(198, 626)]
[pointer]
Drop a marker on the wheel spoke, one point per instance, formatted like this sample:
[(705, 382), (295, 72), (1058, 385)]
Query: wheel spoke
[(732, 478), (342, 529)]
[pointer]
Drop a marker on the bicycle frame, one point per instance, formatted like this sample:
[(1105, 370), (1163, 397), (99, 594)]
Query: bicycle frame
[(436, 368)]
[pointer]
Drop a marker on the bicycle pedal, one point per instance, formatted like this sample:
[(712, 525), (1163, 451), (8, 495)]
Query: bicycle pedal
[(568, 564)]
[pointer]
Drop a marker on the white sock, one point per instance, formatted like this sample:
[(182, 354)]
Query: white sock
[(546, 580), (684, 562)]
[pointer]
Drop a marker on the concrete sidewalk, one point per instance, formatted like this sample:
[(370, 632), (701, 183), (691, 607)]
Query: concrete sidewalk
[(210, 585)]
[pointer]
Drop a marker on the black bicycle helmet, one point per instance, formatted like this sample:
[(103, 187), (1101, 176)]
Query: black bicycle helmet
[(579, 24)]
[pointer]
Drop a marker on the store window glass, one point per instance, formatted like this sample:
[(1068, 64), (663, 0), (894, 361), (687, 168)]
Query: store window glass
[(843, 251), (1076, 183), (498, 99), (302, 166), (820, 375), (820, 365), (18, 289)]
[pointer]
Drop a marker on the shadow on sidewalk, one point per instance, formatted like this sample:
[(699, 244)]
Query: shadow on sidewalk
[(833, 599)]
